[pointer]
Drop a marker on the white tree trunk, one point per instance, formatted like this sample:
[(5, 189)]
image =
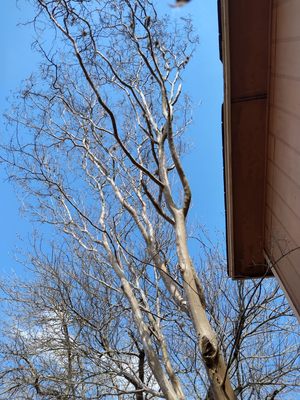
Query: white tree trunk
[(207, 340)]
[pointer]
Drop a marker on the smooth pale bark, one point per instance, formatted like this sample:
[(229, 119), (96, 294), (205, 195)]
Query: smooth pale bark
[(170, 283), (152, 357), (175, 381), (207, 341), (153, 360), (166, 359)]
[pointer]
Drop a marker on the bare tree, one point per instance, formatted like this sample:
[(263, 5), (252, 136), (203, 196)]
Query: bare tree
[(72, 335), (258, 332), (97, 146)]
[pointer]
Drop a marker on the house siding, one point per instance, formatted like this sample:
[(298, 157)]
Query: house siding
[(282, 229)]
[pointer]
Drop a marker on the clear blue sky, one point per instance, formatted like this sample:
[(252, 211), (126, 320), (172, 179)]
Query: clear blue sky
[(203, 81), (17, 62)]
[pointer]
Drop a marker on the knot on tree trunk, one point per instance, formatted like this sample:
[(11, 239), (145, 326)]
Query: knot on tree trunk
[(209, 352)]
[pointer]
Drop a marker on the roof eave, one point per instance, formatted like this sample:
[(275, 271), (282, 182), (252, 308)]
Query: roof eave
[(247, 101), (226, 130)]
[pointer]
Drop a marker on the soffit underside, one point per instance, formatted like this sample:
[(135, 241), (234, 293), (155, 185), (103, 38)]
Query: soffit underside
[(245, 52)]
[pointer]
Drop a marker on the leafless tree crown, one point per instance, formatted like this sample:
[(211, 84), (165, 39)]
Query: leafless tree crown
[(118, 308)]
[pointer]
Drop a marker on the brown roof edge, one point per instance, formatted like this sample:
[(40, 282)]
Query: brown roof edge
[(244, 41), (226, 131)]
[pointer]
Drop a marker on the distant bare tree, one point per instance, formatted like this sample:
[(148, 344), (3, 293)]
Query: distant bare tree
[(71, 334), (258, 332), (72, 337), (97, 150)]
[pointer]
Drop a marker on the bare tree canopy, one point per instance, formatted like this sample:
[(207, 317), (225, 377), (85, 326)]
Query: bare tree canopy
[(117, 308), (73, 335)]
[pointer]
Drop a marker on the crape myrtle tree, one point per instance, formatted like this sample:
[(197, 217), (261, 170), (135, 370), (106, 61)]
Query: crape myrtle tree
[(97, 149)]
